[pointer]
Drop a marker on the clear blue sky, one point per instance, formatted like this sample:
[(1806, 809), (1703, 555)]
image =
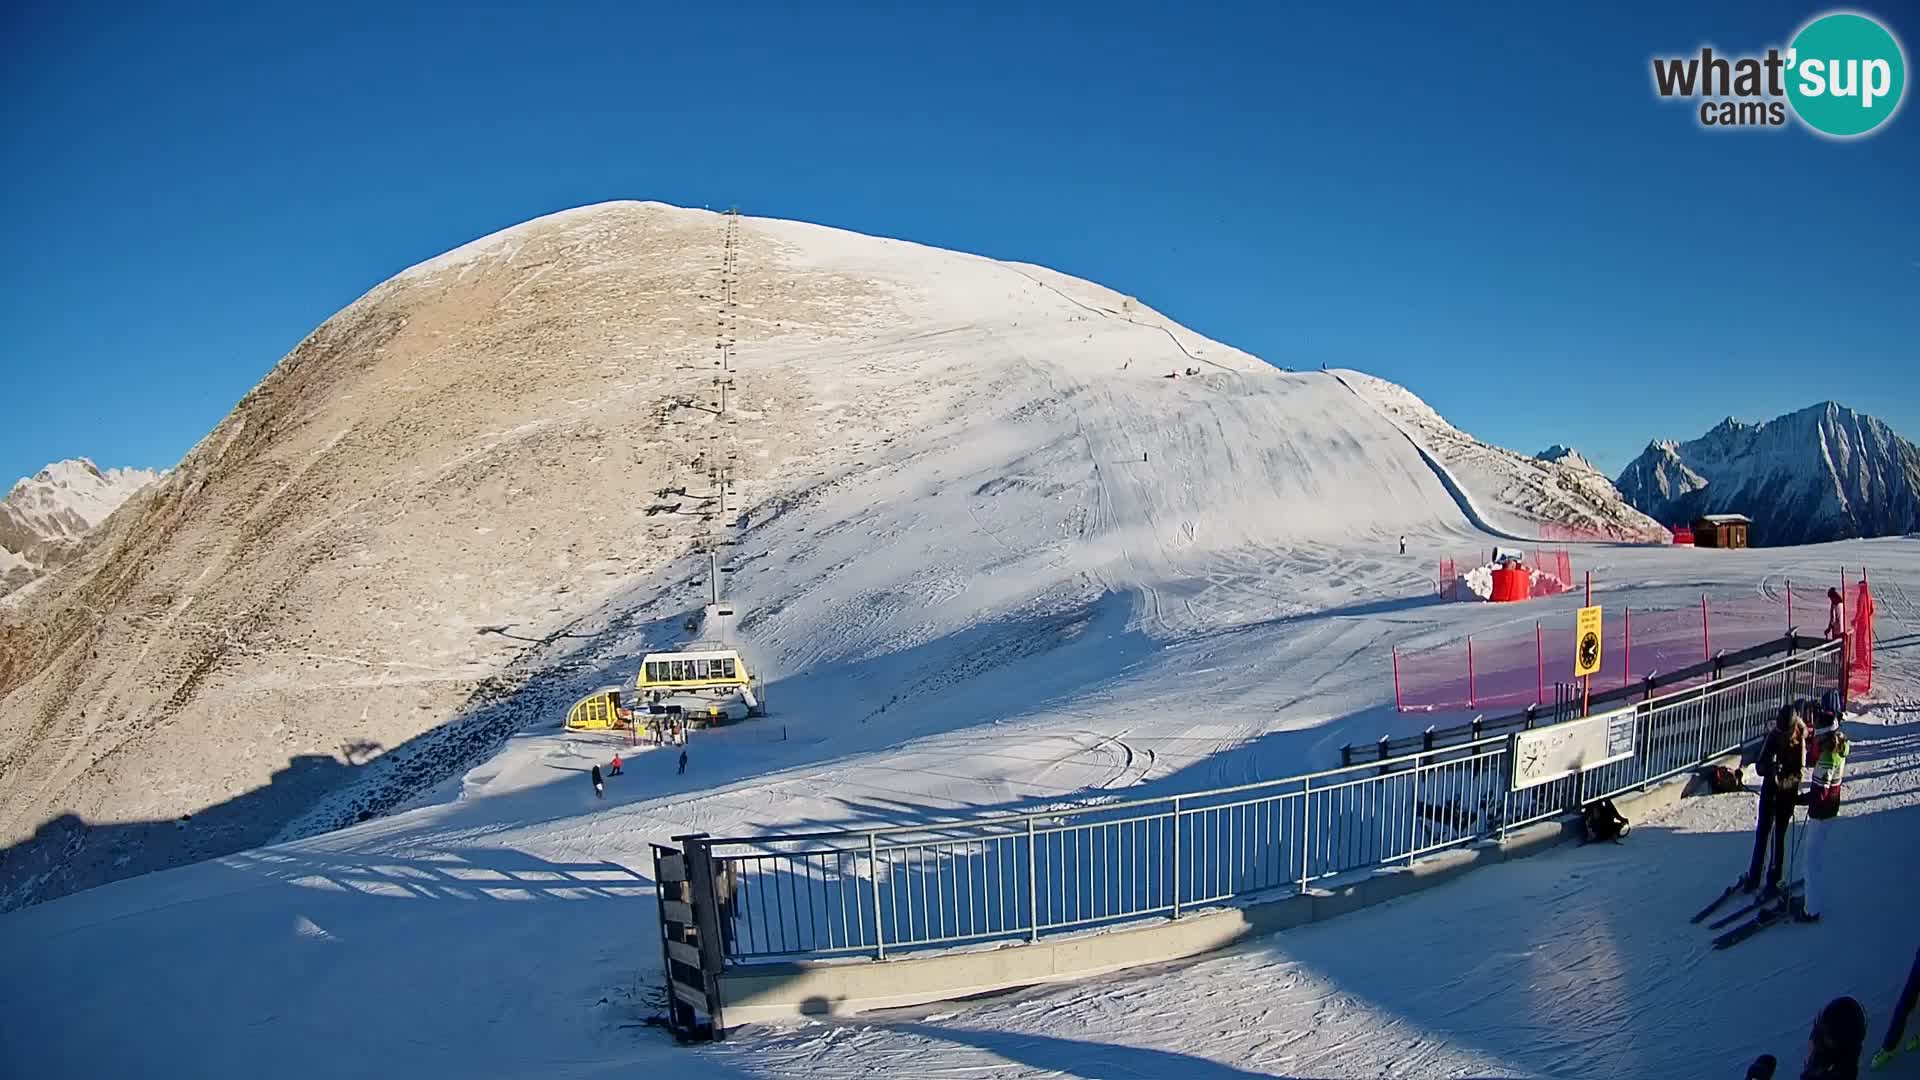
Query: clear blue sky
[(1488, 206)]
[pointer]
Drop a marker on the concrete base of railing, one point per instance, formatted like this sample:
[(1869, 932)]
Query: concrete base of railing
[(759, 992)]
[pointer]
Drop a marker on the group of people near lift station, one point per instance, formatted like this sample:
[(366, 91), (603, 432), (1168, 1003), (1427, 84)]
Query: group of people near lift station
[(1806, 744)]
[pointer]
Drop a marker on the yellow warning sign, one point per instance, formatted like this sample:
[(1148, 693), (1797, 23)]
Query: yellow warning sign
[(1586, 642)]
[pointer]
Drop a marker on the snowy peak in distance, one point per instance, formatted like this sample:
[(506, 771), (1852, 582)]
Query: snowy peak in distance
[(1567, 456), (1825, 472), (45, 516)]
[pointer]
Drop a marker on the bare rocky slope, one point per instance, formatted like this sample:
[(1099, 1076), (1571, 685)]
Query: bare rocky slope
[(426, 488), (46, 517), (471, 494)]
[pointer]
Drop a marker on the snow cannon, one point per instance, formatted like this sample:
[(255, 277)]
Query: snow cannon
[(1511, 581)]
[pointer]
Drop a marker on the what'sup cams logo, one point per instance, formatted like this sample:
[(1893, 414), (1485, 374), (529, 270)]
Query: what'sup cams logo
[(1843, 76)]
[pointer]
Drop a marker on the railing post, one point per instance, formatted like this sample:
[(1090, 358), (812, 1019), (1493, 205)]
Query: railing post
[(1306, 832), (1033, 886), (706, 921), (873, 875), (1176, 856), (1646, 693), (1413, 810), (1506, 789), (1383, 753)]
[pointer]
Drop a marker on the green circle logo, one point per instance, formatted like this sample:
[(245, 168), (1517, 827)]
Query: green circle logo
[(1846, 74)]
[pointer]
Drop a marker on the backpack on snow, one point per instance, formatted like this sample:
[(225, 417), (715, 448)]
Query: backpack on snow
[(1603, 822), (1722, 780)]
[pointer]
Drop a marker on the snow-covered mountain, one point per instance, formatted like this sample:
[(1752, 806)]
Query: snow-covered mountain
[(473, 493), (45, 516), (1568, 456), (1823, 473)]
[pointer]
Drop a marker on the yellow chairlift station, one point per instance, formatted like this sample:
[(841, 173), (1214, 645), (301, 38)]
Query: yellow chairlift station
[(703, 670), (598, 711)]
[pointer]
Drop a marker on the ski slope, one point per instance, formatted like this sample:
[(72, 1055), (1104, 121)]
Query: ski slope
[(505, 927)]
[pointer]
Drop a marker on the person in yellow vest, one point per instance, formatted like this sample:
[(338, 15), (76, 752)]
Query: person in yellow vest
[(1827, 754)]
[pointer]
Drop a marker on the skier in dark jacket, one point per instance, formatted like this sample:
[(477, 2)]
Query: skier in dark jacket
[(599, 785), (1779, 767)]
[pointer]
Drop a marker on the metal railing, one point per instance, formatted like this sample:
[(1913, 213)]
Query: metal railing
[(1020, 876), (1566, 695)]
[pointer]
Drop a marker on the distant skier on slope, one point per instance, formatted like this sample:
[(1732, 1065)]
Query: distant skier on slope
[(1403, 545), (1897, 1023), (599, 785), (683, 763), (1779, 769), (1827, 752), (615, 771)]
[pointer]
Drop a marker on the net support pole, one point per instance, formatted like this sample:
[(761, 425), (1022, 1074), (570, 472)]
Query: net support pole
[(1626, 659), (1469, 671), (1398, 704), (1706, 633), (1539, 664)]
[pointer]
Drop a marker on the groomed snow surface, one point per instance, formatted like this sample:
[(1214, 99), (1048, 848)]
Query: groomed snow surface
[(507, 928)]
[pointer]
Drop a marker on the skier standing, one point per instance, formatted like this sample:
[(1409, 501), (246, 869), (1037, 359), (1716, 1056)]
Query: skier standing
[(683, 762), (1836, 615), (615, 771), (1403, 545), (1827, 751), (599, 785), (1779, 769), (1897, 1023)]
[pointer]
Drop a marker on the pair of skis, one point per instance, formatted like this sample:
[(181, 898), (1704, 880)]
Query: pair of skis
[(1758, 914)]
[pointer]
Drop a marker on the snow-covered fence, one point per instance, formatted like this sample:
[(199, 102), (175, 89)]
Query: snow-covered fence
[(1020, 876)]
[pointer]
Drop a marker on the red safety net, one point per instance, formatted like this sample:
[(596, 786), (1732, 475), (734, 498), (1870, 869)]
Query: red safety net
[(1516, 670), (1860, 669)]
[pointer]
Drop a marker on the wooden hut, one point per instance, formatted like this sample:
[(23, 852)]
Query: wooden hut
[(1721, 530)]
